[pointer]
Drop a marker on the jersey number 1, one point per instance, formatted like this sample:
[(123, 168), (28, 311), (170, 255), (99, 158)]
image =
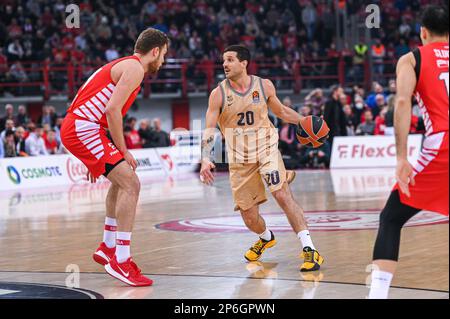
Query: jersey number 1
[(444, 77)]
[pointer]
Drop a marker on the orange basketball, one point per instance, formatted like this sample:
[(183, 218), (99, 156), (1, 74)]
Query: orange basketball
[(312, 131)]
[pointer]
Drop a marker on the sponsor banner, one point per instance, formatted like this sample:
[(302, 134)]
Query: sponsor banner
[(17, 173), (149, 163), (370, 151), (43, 171)]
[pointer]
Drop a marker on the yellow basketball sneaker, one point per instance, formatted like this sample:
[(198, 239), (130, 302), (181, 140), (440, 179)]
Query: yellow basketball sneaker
[(312, 259), (255, 252)]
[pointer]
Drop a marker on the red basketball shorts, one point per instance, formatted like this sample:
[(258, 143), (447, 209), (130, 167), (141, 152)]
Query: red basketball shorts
[(431, 176), (88, 142)]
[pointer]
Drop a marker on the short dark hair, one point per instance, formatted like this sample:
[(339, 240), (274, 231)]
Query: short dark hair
[(9, 132), (242, 52), (435, 19), (149, 39)]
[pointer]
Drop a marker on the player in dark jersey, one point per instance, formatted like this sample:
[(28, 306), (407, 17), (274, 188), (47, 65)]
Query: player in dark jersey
[(423, 73)]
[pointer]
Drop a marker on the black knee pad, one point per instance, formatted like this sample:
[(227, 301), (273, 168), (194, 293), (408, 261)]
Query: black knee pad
[(392, 219)]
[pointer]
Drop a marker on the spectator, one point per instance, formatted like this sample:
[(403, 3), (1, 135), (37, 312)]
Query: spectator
[(350, 119), (20, 141), (334, 115), (389, 117), (376, 89), (378, 52), (9, 111), (35, 144), (8, 127), (51, 143), (368, 127), (10, 145), (360, 55), (59, 121), (160, 137), (17, 72), (111, 54), (48, 116), (15, 51), (145, 133), (392, 89), (132, 138), (309, 18), (380, 122), (380, 101), (22, 118), (316, 100)]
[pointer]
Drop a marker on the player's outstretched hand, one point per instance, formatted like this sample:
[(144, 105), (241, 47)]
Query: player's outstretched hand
[(129, 158), (405, 176), (206, 175)]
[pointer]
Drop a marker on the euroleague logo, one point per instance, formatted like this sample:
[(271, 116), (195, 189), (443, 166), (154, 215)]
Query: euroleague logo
[(76, 170), (344, 220)]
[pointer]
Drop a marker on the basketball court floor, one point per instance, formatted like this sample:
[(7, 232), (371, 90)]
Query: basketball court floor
[(189, 240)]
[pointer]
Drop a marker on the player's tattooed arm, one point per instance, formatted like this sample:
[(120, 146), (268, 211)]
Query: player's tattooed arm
[(212, 116), (279, 109), (207, 147)]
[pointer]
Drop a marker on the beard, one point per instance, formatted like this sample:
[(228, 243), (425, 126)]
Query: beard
[(153, 67)]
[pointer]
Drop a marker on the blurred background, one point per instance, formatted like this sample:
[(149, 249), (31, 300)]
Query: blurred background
[(321, 56)]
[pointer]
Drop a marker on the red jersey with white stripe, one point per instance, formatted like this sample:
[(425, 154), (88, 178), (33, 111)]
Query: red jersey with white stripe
[(91, 99), (432, 86)]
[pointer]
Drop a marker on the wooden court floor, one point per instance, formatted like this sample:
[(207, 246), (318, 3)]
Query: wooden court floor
[(190, 242)]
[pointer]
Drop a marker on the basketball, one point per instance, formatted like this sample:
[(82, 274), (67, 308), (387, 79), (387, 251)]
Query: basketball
[(312, 131)]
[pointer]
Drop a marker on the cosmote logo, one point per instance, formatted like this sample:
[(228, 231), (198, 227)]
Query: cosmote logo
[(13, 174)]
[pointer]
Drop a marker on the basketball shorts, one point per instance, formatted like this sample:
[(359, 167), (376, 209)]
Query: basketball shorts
[(247, 184), (430, 191), (88, 142)]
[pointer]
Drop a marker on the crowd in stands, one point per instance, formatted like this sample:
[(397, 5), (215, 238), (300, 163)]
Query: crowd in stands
[(283, 30), (20, 136), (349, 112)]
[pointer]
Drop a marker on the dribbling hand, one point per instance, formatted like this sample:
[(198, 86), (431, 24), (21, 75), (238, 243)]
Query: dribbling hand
[(206, 175)]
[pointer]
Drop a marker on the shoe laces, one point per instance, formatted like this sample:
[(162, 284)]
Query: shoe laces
[(308, 256), (257, 246), (135, 268)]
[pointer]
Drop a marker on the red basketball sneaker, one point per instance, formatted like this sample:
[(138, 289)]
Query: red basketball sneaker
[(103, 254), (128, 272)]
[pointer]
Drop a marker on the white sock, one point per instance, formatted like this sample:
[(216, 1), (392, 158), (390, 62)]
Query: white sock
[(109, 234), (266, 235), (305, 238), (381, 281), (123, 246)]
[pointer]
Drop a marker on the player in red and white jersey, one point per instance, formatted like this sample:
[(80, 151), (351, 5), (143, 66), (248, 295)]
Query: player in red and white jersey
[(424, 74), (99, 104)]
